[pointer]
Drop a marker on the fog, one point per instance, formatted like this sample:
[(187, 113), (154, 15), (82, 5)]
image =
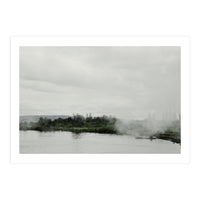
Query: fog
[(125, 82)]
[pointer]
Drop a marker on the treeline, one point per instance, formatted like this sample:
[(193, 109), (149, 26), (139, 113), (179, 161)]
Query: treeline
[(104, 124), (76, 123)]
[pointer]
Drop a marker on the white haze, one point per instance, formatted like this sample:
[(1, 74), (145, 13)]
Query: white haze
[(145, 127)]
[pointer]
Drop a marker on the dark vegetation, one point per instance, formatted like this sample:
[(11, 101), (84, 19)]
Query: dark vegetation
[(168, 134), (171, 133), (104, 124), (76, 124)]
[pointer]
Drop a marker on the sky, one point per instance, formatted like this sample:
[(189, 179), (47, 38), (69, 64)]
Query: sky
[(123, 81)]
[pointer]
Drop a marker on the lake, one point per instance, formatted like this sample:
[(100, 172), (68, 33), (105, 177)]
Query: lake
[(34, 142)]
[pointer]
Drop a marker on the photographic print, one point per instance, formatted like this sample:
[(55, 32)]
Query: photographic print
[(100, 99)]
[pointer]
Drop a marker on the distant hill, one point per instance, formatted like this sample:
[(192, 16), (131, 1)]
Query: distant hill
[(35, 118)]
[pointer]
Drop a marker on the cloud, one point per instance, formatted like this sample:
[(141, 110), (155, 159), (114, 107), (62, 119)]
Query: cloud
[(123, 81)]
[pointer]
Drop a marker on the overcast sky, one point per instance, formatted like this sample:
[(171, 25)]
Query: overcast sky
[(127, 82)]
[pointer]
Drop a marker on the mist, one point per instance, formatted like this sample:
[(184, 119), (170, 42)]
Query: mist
[(147, 127)]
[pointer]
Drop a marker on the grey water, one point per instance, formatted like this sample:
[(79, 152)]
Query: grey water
[(34, 142)]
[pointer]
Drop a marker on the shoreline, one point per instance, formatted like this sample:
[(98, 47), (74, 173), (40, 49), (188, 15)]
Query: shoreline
[(169, 136)]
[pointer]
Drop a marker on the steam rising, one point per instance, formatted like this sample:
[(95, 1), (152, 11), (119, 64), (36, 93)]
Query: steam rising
[(146, 127)]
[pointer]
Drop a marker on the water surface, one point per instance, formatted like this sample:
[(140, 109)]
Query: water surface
[(35, 142)]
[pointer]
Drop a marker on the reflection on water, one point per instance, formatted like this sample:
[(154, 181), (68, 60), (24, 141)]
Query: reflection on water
[(67, 142), (76, 135)]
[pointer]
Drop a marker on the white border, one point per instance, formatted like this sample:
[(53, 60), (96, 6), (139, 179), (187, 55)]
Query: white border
[(183, 42)]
